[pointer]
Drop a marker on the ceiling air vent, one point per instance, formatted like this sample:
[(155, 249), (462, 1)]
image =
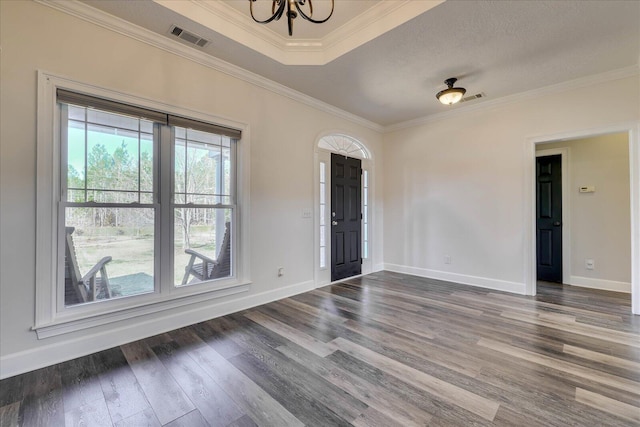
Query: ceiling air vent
[(472, 97), (187, 36)]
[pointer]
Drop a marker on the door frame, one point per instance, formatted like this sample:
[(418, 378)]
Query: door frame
[(633, 131), (322, 276), (566, 207)]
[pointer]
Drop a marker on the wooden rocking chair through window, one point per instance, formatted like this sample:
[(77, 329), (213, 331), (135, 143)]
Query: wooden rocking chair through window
[(204, 268), (90, 287)]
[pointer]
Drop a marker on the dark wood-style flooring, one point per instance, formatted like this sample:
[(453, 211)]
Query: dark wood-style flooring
[(383, 350)]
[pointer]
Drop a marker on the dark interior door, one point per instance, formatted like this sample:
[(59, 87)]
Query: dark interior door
[(346, 217), (549, 218)]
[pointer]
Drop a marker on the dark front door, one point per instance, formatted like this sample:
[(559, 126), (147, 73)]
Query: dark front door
[(346, 215), (549, 218)]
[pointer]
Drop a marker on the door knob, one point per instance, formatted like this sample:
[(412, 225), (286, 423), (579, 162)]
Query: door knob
[(334, 222), (557, 224)]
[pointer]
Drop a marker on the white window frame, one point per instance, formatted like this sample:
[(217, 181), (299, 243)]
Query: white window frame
[(322, 154), (322, 258), (52, 318)]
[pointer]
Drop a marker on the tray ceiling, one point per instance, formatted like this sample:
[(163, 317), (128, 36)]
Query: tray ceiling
[(499, 48)]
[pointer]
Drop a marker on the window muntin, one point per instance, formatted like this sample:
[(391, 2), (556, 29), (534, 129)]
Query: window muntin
[(110, 208), (107, 205), (344, 145), (204, 206), (202, 168), (109, 157)]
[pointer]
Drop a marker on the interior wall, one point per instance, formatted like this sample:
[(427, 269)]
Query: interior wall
[(283, 132), (457, 187), (600, 222)]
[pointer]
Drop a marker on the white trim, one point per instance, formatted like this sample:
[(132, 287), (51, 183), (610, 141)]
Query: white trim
[(633, 130), (606, 285), (322, 276), (481, 282), (566, 207), (634, 172), (608, 76), (46, 197), (383, 16), (48, 320), (64, 327), (46, 355), (120, 26)]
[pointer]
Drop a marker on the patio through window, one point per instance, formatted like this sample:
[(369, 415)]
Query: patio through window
[(115, 193)]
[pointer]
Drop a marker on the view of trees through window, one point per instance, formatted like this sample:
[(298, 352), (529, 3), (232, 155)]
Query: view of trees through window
[(109, 214), (111, 207), (202, 192)]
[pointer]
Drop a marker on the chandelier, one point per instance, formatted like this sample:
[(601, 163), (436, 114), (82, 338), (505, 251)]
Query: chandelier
[(294, 8)]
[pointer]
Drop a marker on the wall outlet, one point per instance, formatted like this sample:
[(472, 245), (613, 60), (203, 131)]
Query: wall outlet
[(447, 259), (589, 264), (280, 271)]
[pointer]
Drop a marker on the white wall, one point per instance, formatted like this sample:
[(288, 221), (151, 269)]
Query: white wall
[(455, 186), (600, 222), (283, 133), (452, 186)]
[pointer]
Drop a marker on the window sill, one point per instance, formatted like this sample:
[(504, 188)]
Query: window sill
[(63, 325)]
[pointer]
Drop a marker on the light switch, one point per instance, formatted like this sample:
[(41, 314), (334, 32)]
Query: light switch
[(588, 189)]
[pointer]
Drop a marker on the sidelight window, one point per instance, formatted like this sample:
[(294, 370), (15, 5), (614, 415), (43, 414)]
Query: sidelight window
[(323, 213)]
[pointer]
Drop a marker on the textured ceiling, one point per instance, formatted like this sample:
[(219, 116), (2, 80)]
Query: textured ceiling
[(497, 47)]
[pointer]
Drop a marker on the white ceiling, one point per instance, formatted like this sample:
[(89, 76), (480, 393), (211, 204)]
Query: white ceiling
[(500, 48)]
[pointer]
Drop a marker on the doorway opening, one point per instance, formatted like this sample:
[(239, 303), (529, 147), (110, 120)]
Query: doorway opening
[(561, 253), (589, 213), (344, 216), (549, 221)]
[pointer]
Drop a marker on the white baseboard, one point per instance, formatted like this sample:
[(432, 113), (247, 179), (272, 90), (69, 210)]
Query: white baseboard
[(481, 282), (29, 360), (378, 267), (606, 285)]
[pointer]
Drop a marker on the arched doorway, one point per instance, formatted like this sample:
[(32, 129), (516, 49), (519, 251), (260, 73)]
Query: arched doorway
[(348, 147)]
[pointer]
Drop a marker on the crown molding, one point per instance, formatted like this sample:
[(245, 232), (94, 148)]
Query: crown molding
[(621, 73), (120, 26), (240, 27), (374, 22)]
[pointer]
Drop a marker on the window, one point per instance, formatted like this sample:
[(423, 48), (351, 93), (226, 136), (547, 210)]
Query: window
[(365, 214), (107, 203), (323, 212), (344, 145), (203, 205), (121, 187)]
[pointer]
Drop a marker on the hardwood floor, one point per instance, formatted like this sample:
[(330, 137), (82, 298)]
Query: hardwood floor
[(383, 350)]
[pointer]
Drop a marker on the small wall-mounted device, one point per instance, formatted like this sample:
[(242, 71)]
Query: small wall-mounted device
[(587, 189)]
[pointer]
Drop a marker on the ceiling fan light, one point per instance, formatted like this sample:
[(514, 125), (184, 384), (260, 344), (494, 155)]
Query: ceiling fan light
[(451, 95)]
